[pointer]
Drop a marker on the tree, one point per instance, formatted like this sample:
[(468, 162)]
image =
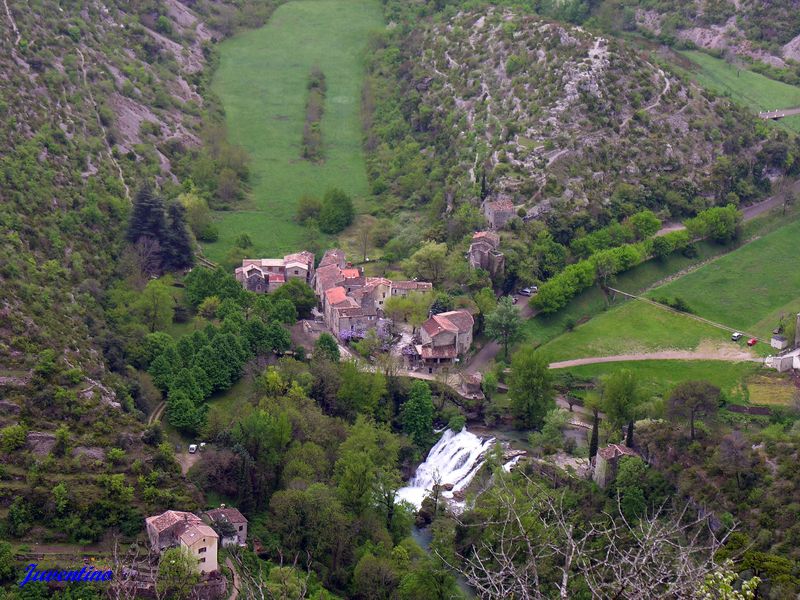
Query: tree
[(693, 399), (620, 400), (735, 455), (182, 413), (359, 392), (364, 239), (308, 208), (156, 305), (417, 413), (523, 542), (13, 437), (177, 574), (299, 294), (7, 567), (487, 303), (428, 263), (336, 212), (504, 324), (177, 252), (147, 218), (530, 388), (326, 347), (644, 224)]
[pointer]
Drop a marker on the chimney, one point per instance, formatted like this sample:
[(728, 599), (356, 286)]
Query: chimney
[(797, 332)]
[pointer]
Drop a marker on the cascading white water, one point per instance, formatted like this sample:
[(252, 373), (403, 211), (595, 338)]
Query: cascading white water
[(454, 459)]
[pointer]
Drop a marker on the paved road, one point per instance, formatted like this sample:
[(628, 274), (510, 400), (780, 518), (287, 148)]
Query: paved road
[(748, 212), (779, 114), (663, 355), (491, 349)]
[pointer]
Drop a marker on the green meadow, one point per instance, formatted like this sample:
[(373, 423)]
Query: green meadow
[(747, 289), (751, 89), (633, 327), (261, 81)]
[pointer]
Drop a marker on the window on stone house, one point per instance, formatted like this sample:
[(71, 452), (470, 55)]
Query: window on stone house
[(241, 527), (201, 560), (203, 549)]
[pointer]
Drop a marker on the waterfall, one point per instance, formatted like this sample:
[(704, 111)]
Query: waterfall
[(454, 459)]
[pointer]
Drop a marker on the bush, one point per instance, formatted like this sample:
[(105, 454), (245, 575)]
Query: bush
[(337, 211)]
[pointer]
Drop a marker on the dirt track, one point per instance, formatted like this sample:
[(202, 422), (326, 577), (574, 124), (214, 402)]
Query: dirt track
[(733, 356)]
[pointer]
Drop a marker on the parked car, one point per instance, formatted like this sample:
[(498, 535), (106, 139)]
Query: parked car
[(736, 336), (752, 342), (529, 291), (192, 448)]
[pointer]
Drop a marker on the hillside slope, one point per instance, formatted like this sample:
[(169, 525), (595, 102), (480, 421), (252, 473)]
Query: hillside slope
[(96, 99), (758, 29), (556, 119)]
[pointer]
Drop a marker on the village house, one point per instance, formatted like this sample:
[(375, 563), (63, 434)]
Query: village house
[(606, 463), (404, 288), (483, 253), (498, 212), (175, 528), (265, 275), (229, 520), (444, 337), (351, 303)]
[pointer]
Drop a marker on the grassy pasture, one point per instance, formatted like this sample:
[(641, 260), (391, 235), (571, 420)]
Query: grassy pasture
[(631, 328), (751, 89), (747, 289), (261, 81)]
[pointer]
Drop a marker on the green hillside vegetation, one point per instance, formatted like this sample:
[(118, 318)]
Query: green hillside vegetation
[(262, 82), (632, 328), (753, 90), (747, 289)]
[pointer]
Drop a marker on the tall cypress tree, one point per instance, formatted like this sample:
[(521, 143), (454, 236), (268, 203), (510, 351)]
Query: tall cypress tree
[(176, 245), (147, 218)]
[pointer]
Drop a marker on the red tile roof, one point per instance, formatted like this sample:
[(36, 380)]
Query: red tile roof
[(169, 518), (427, 352), (460, 319), (504, 204), (351, 273), (336, 295)]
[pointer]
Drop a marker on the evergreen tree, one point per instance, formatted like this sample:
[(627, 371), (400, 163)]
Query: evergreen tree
[(176, 245), (148, 218), (326, 347)]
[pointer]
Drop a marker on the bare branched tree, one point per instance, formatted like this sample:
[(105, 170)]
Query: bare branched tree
[(283, 584), (124, 584), (533, 548)]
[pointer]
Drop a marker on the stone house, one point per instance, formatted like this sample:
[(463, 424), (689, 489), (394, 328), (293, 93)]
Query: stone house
[(265, 275), (445, 337), (498, 212), (404, 288), (606, 462), (175, 528), (483, 253), (233, 518)]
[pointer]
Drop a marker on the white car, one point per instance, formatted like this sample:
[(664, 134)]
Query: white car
[(736, 336), (192, 448)]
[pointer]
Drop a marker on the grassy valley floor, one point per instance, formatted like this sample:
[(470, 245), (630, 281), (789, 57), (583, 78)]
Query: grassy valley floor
[(750, 288), (262, 81)]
